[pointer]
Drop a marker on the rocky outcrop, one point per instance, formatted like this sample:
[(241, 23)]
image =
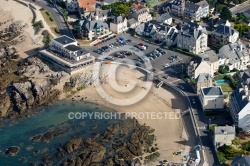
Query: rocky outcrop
[(73, 145), (119, 144), (32, 93), (4, 104), (12, 150)]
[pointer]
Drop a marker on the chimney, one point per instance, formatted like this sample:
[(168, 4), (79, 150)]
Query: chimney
[(241, 47)]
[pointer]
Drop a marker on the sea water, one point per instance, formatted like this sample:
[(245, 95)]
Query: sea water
[(54, 116)]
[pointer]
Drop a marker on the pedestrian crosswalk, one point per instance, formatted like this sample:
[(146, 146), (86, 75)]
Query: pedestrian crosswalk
[(202, 127)]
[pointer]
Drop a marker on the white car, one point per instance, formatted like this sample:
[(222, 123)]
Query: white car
[(167, 65)]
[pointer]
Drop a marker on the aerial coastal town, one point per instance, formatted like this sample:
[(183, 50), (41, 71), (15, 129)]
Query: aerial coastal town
[(177, 71)]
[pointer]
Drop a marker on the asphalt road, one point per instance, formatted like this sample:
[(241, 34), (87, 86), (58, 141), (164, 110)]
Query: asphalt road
[(58, 18), (202, 123), (241, 8)]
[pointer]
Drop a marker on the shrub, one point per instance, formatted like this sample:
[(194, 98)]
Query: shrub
[(56, 30), (51, 19), (47, 13), (231, 80), (41, 9)]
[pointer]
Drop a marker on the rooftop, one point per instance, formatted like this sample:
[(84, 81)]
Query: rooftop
[(64, 40), (203, 77), (88, 5), (210, 56), (212, 91), (73, 47), (221, 130), (241, 161)]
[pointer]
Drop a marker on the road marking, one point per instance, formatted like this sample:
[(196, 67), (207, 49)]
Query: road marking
[(202, 127)]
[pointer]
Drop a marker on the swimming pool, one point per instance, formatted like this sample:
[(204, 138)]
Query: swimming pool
[(221, 82)]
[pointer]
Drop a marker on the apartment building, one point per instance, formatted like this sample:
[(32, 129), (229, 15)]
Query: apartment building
[(234, 55), (212, 98), (224, 135), (119, 25), (197, 66), (211, 57), (239, 106), (194, 11), (91, 30), (192, 37), (224, 34)]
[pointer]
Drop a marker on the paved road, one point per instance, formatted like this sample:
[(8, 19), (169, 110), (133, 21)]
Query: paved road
[(202, 123), (241, 8), (62, 26)]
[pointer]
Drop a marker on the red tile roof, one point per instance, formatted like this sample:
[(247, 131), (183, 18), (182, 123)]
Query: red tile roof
[(87, 5)]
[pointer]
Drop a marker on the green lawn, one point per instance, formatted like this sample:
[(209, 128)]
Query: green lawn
[(226, 88), (220, 77)]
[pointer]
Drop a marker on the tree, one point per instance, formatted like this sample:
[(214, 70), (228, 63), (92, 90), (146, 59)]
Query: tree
[(228, 1), (241, 27), (153, 14), (221, 1), (121, 10), (219, 7), (221, 157), (226, 14), (148, 5)]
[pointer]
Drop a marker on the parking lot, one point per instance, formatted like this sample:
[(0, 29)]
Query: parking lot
[(158, 62)]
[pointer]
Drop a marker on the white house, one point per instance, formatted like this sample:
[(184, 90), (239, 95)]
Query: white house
[(67, 47), (224, 135), (239, 106), (192, 37), (119, 25), (212, 98), (165, 19), (234, 55)]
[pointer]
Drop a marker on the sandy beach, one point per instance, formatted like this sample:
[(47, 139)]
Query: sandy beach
[(169, 130), (15, 11)]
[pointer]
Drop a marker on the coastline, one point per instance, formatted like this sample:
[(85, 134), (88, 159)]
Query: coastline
[(169, 132)]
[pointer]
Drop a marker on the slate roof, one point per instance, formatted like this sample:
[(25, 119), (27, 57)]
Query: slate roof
[(118, 20), (132, 21), (241, 161), (203, 77), (245, 76), (64, 40), (99, 13), (237, 95), (212, 91), (224, 30), (73, 47), (91, 25), (177, 2), (163, 17), (233, 51), (220, 130), (209, 56), (192, 29), (203, 3), (191, 6)]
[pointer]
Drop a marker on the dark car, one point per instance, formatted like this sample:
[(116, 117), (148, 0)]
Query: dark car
[(138, 64)]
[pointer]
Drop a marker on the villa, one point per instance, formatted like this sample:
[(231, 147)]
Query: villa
[(212, 98), (197, 66), (119, 25)]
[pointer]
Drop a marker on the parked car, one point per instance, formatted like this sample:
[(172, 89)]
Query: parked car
[(110, 58), (167, 65), (138, 64), (193, 101), (165, 77)]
